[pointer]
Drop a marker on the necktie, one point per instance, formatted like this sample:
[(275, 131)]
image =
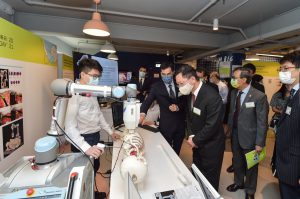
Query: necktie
[(292, 92), (141, 83), (171, 92), (193, 99), (237, 109)]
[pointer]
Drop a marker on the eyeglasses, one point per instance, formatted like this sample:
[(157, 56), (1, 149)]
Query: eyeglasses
[(284, 69), (94, 76)]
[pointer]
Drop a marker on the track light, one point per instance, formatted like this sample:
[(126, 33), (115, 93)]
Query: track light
[(216, 24), (252, 58)]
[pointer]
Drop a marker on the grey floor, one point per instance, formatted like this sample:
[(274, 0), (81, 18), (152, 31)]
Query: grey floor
[(267, 187)]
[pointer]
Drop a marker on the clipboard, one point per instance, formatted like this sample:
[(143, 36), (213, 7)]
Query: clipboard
[(253, 158)]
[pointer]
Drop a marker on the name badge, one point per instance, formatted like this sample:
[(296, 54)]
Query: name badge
[(196, 111), (288, 110), (250, 104)]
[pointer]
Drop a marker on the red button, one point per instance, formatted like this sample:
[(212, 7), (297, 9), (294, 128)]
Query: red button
[(30, 192)]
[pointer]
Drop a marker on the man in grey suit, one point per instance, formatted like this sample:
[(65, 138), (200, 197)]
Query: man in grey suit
[(248, 123)]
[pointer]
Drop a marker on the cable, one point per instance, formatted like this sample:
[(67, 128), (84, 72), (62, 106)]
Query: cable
[(57, 125)]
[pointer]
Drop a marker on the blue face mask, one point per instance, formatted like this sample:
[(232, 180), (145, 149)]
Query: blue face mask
[(142, 74), (93, 81), (167, 79)]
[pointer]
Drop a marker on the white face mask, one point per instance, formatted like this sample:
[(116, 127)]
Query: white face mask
[(286, 77), (186, 89)]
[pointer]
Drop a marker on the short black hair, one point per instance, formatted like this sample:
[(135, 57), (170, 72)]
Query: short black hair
[(257, 78), (250, 66), (144, 68), (215, 74), (202, 70), (294, 58), (166, 65), (245, 73), (187, 71), (87, 64)]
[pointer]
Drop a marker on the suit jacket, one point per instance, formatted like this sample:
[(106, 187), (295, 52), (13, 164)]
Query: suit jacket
[(207, 127), (170, 122), (143, 89), (288, 144), (253, 118)]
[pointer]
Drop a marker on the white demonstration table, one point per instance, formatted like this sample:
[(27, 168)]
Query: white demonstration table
[(162, 173)]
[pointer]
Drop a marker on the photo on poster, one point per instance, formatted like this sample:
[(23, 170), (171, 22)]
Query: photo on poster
[(4, 78), (4, 99), (13, 137), (16, 112), (5, 115)]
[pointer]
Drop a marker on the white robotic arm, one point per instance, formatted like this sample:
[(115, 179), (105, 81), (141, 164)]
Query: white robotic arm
[(63, 87)]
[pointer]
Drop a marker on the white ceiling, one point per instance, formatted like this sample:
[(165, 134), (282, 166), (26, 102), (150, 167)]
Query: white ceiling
[(158, 25)]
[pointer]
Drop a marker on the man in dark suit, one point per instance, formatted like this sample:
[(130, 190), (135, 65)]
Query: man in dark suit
[(254, 84), (288, 131), (172, 113), (204, 77), (204, 121), (142, 82), (248, 123)]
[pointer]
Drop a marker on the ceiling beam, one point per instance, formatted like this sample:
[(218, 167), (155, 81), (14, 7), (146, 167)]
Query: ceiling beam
[(73, 27), (278, 27)]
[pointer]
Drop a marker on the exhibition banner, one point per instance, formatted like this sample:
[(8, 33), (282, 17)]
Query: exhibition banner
[(19, 44)]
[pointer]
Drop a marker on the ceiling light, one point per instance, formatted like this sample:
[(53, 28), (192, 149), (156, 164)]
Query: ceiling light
[(216, 24), (269, 55), (113, 56), (252, 58), (95, 26), (108, 48)]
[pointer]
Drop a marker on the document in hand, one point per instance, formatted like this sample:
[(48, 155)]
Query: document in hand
[(254, 158)]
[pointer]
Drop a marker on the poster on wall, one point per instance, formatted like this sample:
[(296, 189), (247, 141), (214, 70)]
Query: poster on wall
[(11, 110), (224, 69)]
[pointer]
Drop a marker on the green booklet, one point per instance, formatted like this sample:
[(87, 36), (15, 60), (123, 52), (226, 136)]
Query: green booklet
[(254, 158)]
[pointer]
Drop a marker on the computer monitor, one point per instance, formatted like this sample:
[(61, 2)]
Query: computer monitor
[(117, 114), (207, 189)]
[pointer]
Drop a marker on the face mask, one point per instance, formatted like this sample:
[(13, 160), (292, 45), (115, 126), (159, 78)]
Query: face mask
[(142, 74), (93, 81), (167, 79), (186, 89), (234, 83), (286, 77)]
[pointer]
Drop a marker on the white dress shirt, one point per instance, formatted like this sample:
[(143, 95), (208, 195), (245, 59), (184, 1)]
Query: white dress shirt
[(84, 117), (244, 94), (223, 91)]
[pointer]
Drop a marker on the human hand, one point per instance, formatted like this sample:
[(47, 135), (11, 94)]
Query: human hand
[(148, 122), (191, 143), (173, 107), (142, 118), (115, 136), (94, 152), (258, 149)]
